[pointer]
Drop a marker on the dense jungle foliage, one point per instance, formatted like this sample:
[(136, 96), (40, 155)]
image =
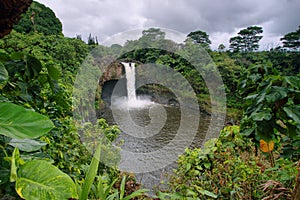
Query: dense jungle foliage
[(41, 152)]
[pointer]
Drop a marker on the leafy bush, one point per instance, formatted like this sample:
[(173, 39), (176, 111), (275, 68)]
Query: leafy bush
[(228, 169), (272, 110), (27, 82)]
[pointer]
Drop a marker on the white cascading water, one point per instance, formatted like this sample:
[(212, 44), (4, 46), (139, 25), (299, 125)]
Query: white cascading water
[(132, 100), (130, 78)]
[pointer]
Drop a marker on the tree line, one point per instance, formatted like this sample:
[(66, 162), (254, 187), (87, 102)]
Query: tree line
[(42, 19), (247, 40)]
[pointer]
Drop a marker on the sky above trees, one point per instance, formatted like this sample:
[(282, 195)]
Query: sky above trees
[(221, 19)]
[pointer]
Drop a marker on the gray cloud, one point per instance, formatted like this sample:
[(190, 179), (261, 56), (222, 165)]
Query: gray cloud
[(221, 19)]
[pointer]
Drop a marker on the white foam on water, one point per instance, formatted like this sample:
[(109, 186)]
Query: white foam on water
[(125, 103)]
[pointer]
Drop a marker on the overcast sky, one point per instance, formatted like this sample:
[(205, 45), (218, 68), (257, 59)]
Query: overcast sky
[(221, 19)]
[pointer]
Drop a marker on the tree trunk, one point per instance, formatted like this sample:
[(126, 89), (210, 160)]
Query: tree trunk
[(10, 14)]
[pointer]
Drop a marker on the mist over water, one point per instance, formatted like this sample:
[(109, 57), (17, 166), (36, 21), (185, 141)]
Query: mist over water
[(126, 103)]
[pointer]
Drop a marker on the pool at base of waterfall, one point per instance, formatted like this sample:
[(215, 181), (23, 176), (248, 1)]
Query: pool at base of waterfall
[(146, 131)]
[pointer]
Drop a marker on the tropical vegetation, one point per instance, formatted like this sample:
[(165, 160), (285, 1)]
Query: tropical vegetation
[(42, 155)]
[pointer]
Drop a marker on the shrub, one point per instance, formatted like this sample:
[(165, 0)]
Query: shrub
[(228, 168)]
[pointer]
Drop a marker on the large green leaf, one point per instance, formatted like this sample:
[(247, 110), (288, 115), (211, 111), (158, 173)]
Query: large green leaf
[(3, 76), (91, 174), (53, 72), (34, 66), (276, 93), (247, 131), (27, 145), (260, 116), (293, 81), (13, 165), (264, 130), (260, 97), (293, 112), (39, 179), (17, 122)]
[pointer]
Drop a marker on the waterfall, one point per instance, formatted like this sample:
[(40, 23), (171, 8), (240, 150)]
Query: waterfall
[(130, 78), (132, 100)]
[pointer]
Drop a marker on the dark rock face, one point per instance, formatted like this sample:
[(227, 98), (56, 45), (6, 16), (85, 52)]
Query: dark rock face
[(113, 75), (113, 88), (112, 72), (158, 94), (10, 13)]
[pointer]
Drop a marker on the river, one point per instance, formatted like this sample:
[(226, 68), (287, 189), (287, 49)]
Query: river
[(137, 142)]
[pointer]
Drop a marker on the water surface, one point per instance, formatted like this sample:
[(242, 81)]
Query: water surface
[(138, 138)]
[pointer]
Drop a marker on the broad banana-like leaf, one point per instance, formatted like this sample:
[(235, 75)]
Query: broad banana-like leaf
[(27, 145), (17, 122), (39, 179)]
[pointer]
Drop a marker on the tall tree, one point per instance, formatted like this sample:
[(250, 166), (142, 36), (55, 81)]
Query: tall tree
[(292, 40), (92, 40), (247, 39), (79, 37), (199, 37), (236, 43), (153, 34)]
